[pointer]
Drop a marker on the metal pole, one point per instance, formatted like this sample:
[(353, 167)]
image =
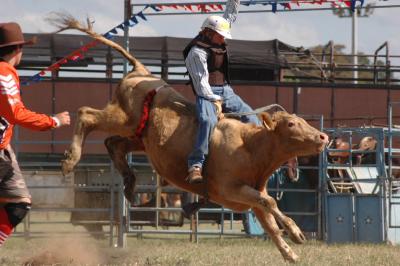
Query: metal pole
[(158, 199), (354, 43), (321, 190), (390, 139), (54, 75), (383, 180), (123, 204), (127, 15), (112, 204)]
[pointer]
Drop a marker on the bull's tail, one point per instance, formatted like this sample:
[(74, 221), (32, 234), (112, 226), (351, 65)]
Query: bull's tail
[(66, 21)]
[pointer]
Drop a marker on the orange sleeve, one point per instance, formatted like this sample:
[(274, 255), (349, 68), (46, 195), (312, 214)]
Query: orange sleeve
[(12, 108), (18, 114)]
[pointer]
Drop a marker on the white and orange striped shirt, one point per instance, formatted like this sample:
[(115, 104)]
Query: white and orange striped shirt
[(12, 110)]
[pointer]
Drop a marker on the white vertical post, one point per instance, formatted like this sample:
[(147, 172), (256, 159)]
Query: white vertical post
[(354, 43)]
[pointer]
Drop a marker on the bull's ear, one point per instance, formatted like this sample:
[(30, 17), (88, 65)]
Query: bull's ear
[(267, 121)]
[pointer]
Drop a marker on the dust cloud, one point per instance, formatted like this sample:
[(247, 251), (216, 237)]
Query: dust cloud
[(71, 250)]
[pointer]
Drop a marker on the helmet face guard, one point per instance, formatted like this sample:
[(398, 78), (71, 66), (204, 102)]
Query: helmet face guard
[(218, 24)]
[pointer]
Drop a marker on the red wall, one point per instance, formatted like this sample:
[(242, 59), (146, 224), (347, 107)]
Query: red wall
[(350, 105)]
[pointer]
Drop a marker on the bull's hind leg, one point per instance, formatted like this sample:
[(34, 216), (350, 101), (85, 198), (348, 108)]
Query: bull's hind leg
[(269, 224), (111, 119), (117, 148), (255, 198)]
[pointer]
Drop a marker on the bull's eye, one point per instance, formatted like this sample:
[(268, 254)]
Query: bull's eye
[(290, 124)]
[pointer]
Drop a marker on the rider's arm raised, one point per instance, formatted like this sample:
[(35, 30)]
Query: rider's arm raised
[(231, 10)]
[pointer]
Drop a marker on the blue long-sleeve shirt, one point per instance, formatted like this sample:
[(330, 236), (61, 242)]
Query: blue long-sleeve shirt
[(196, 61)]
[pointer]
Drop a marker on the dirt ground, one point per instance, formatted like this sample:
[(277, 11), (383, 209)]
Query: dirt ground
[(166, 250)]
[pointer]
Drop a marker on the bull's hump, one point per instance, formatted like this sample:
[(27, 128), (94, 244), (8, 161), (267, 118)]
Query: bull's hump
[(143, 81), (232, 131)]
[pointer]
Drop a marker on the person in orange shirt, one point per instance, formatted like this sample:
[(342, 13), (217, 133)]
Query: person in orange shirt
[(15, 199)]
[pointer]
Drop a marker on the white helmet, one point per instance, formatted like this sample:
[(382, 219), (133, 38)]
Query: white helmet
[(218, 24)]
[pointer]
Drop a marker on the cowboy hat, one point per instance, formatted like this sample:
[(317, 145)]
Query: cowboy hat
[(11, 34)]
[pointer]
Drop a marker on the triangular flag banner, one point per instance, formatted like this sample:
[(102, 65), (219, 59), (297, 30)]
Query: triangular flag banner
[(108, 35), (55, 66), (200, 8), (274, 7), (211, 6), (36, 77), (140, 14), (132, 22), (207, 7), (189, 7), (354, 2), (76, 55), (155, 8), (134, 19), (249, 3), (92, 44)]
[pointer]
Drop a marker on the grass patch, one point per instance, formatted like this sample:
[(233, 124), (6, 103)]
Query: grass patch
[(209, 251)]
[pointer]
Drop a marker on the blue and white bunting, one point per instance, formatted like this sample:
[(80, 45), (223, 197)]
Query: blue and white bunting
[(140, 14)]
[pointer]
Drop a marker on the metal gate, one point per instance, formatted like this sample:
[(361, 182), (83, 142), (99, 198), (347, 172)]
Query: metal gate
[(361, 200)]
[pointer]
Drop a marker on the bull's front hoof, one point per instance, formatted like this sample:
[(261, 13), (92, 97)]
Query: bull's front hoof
[(129, 195), (129, 190), (292, 257), (297, 237), (66, 167), (294, 231)]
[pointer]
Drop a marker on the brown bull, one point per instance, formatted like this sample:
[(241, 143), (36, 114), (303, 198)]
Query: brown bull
[(241, 158)]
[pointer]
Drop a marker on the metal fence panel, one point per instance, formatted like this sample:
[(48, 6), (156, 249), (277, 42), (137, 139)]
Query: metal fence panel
[(339, 218), (368, 219)]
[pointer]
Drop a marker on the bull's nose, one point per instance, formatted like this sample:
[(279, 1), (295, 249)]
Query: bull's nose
[(324, 138)]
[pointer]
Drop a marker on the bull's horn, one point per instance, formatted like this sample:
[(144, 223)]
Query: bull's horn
[(266, 125)]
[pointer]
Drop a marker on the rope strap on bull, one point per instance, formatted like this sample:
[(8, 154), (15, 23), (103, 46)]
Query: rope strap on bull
[(145, 111)]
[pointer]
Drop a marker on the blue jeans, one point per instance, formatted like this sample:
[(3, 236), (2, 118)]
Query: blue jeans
[(207, 119)]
